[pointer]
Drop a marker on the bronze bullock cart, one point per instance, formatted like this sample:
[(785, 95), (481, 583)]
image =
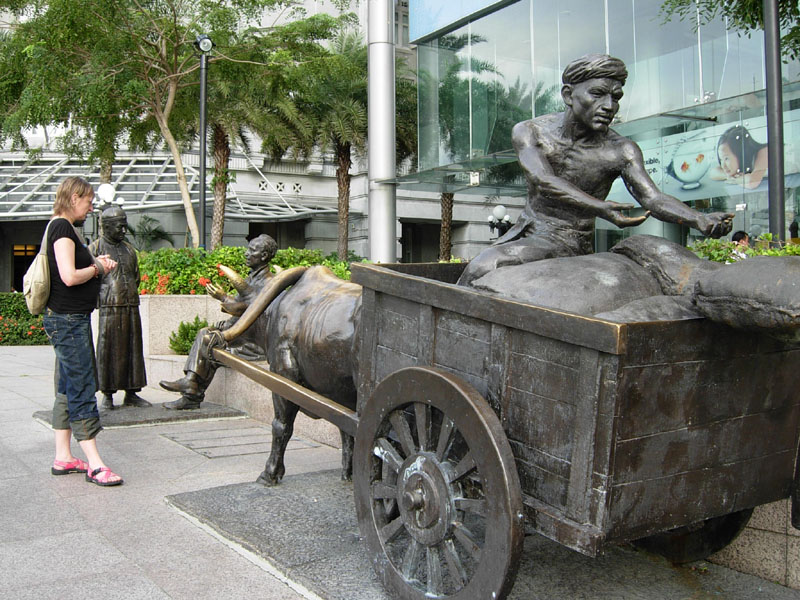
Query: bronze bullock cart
[(479, 416)]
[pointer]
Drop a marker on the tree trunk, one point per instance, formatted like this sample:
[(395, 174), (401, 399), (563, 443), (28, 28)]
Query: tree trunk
[(445, 231), (180, 174), (343, 185), (222, 157), (106, 167)]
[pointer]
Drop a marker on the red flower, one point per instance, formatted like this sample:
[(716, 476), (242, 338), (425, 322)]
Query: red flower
[(192, 292), (204, 281), (145, 277), (143, 292)]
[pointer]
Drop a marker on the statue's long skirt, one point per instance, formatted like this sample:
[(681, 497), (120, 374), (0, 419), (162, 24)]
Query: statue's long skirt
[(120, 358)]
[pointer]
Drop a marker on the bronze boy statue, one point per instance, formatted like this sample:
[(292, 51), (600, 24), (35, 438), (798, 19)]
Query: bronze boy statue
[(199, 369)]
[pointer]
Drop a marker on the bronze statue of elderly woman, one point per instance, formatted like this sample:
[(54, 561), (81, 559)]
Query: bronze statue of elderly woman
[(120, 357)]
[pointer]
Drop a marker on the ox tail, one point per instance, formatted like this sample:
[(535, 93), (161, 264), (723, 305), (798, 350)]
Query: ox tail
[(237, 281), (268, 293)]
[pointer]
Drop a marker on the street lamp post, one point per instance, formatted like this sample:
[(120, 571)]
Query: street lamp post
[(204, 45)]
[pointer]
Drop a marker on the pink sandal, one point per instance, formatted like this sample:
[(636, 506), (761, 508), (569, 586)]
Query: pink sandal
[(65, 468), (102, 475)]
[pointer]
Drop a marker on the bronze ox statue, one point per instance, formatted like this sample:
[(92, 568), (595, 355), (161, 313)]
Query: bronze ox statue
[(312, 339)]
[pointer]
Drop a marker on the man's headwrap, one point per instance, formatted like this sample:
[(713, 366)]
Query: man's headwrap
[(594, 66)]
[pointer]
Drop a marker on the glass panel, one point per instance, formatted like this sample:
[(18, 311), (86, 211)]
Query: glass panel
[(474, 85), (562, 31)]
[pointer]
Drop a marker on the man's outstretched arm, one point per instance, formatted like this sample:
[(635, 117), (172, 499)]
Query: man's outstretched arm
[(663, 206)]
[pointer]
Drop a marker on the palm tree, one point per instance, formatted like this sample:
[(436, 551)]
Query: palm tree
[(336, 101)]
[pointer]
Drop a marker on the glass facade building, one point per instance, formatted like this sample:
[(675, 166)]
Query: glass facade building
[(484, 66)]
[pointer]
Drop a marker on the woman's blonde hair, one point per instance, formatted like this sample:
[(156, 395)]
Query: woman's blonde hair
[(68, 187)]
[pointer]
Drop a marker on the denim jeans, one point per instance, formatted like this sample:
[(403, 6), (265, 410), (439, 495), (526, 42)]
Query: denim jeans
[(75, 373)]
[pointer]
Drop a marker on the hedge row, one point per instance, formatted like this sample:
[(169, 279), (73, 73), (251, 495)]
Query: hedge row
[(17, 326)]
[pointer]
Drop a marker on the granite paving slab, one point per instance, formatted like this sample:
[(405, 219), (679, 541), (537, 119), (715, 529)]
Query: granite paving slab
[(153, 415), (307, 531)]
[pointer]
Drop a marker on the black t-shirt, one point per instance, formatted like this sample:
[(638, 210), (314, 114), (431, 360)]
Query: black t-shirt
[(77, 298)]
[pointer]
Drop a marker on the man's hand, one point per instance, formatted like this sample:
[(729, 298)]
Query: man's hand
[(215, 292), (615, 216), (715, 225)]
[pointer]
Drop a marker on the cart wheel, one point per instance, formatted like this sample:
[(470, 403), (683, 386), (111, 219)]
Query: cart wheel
[(436, 489), (698, 540)]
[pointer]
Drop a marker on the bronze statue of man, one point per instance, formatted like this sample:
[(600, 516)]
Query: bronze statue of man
[(199, 368), (120, 358), (570, 160)]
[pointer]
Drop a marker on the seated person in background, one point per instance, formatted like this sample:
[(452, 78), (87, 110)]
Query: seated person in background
[(570, 161), (199, 369), (742, 160), (742, 241)]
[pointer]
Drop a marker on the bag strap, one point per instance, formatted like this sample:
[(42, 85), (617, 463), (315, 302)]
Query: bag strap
[(43, 247)]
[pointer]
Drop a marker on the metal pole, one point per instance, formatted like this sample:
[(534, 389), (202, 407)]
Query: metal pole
[(772, 58), (202, 208), (381, 132)]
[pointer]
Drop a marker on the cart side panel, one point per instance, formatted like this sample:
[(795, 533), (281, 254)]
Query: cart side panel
[(534, 383), (707, 424)]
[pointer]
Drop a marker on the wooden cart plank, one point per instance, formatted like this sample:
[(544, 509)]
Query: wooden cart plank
[(568, 327)]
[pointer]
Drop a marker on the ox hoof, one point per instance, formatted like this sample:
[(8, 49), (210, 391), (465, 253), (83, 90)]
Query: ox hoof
[(267, 480), (182, 403)]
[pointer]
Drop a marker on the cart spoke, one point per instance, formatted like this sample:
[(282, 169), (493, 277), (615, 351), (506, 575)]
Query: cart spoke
[(423, 414), (457, 571), (472, 505), (445, 437), (386, 452), (467, 540), (411, 559), (464, 467), (391, 530), (382, 491), (435, 581), (398, 421)]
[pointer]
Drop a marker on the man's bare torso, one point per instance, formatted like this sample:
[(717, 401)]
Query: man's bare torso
[(592, 167)]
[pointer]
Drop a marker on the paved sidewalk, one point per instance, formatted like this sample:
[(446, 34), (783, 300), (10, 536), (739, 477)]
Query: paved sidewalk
[(63, 538)]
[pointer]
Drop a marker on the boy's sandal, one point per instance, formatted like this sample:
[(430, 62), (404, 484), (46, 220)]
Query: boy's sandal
[(102, 475), (65, 468)]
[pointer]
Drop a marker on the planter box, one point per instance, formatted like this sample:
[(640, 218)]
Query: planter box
[(161, 315)]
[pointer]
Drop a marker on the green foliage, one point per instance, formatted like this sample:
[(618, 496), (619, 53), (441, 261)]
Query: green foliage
[(181, 341), (147, 232), (303, 257), (17, 326), (723, 250), (744, 16), (187, 270)]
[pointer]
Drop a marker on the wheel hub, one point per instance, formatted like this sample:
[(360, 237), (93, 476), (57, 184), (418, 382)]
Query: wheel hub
[(424, 497)]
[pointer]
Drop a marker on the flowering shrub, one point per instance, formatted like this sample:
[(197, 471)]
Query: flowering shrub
[(189, 271), (17, 326)]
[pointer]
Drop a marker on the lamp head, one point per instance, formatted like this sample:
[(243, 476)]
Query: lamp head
[(498, 212), (203, 43)]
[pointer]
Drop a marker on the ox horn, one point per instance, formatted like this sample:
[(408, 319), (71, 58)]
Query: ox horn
[(268, 293), (237, 281)]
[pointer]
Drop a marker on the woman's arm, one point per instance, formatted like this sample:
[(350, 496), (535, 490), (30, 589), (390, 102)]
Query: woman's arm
[(64, 249), (753, 179)]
